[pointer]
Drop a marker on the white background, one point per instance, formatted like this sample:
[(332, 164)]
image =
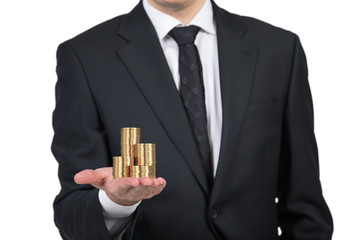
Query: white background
[(30, 32)]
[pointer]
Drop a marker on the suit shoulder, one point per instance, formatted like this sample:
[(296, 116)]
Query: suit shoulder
[(260, 27), (261, 30), (275, 40), (99, 33)]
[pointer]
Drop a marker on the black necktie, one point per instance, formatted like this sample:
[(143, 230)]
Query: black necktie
[(192, 89)]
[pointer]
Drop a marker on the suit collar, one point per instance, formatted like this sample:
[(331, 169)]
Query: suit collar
[(134, 23), (228, 22)]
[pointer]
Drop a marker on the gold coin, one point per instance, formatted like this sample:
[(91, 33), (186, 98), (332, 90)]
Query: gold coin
[(130, 129), (152, 172), (134, 171), (128, 161), (147, 171), (120, 169), (145, 154), (117, 158)]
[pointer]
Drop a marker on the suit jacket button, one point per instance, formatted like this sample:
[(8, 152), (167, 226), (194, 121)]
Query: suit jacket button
[(213, 214)]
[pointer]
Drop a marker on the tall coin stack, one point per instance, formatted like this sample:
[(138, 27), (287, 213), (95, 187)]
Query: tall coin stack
[(137, 159)]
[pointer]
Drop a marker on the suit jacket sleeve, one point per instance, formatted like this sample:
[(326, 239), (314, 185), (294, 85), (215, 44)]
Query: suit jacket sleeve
[(79, 143), (302, 211)]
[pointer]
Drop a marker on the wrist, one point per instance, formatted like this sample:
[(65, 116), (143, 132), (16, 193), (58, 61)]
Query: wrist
[(121, 201)]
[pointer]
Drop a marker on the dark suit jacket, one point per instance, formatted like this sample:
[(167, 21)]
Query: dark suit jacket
[(115, 75)]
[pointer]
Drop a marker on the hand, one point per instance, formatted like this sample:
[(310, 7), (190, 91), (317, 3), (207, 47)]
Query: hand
[(123, 191)]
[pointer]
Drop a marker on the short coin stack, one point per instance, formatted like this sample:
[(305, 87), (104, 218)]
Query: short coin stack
[(137, 159)]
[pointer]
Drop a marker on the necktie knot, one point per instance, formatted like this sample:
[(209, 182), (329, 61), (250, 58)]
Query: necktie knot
[(184, 35)]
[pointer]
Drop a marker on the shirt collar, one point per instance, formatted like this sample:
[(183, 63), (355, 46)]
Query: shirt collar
[(163, 23)]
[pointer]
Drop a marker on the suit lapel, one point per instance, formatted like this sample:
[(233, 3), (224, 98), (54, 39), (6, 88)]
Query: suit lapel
[(237, 60), (145, 61)]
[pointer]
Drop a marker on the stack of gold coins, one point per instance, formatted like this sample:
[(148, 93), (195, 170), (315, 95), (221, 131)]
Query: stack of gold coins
[(137, 159), (135, 171), (129, 137), (120, 169), (146, 159)]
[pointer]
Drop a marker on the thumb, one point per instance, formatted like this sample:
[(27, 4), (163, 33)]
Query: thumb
[(89, 176)]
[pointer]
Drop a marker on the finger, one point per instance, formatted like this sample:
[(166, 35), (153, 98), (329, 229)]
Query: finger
[(155, 182), (146, 181), (152, 181), (88, 176), (161, 181), (105, 171)]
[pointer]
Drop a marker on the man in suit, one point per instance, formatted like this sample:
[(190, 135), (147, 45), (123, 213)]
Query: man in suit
[(226, 100)]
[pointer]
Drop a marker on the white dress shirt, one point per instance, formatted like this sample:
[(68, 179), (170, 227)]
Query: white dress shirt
[(206, 41)]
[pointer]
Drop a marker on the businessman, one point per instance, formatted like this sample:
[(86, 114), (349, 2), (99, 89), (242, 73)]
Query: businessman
[(226, 100)]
